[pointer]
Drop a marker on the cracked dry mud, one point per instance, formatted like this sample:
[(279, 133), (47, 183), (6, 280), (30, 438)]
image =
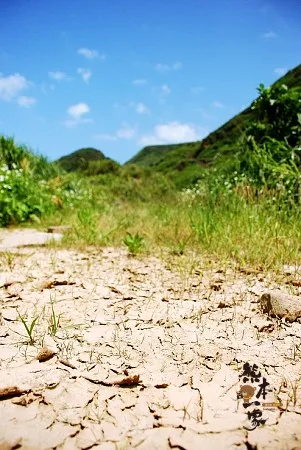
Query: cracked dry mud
[(144, 357)]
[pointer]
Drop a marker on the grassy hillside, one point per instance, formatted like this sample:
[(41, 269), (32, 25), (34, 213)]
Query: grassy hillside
[(152, 155), (190, 158), (79, 159)]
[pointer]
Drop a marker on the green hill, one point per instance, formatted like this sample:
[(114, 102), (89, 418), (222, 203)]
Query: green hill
[(191, 157), (79, 160)]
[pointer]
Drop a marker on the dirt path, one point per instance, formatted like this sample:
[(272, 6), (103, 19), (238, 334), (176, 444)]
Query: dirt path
[(143, 357)]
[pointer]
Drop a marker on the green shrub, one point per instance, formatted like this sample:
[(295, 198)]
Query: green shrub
[(102, 167), (30, 186), (277, 115), (268, 156), (20, 157), (19, 198)]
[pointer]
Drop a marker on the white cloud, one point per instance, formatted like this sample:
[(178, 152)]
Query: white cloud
[(85, 74), (177, 65), (90, 53), (105, 137), (218, 105), (168, 67), (197, 89), (175, 132), (26, 102), (58, 76), (69, 123), (126, 132), (281, 71), (266, 9), (117, 105), (162, 67), (172, 132), (205, 114), (139, 81), (45, 88), (165, 89), (269, 35), (76, 112), (140, 108), (12, 85), (150, 139)]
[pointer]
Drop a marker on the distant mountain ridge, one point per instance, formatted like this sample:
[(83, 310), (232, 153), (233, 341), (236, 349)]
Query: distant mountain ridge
[(221, 142), (79, 159), (187, 158)]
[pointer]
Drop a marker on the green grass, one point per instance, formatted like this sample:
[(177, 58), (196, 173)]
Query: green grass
[(242, 228), (29, 327), (234, 223), (54, 321)]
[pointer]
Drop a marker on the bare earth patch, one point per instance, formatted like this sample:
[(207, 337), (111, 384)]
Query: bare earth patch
[(129, 353)]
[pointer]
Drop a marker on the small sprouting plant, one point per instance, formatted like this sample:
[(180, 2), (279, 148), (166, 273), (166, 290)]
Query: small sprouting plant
[(54, 321), (28, 328), (180, 245), (134, 242)]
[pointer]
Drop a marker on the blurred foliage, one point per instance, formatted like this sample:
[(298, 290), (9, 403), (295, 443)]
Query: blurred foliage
[(30, 186)]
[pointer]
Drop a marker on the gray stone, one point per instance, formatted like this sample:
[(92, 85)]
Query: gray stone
[(280, 304)]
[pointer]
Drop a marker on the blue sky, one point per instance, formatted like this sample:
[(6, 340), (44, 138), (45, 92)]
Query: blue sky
[(121, 74)]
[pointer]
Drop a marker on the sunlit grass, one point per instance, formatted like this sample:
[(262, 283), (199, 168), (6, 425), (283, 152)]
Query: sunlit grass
[(224, 216), (245, 230)]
